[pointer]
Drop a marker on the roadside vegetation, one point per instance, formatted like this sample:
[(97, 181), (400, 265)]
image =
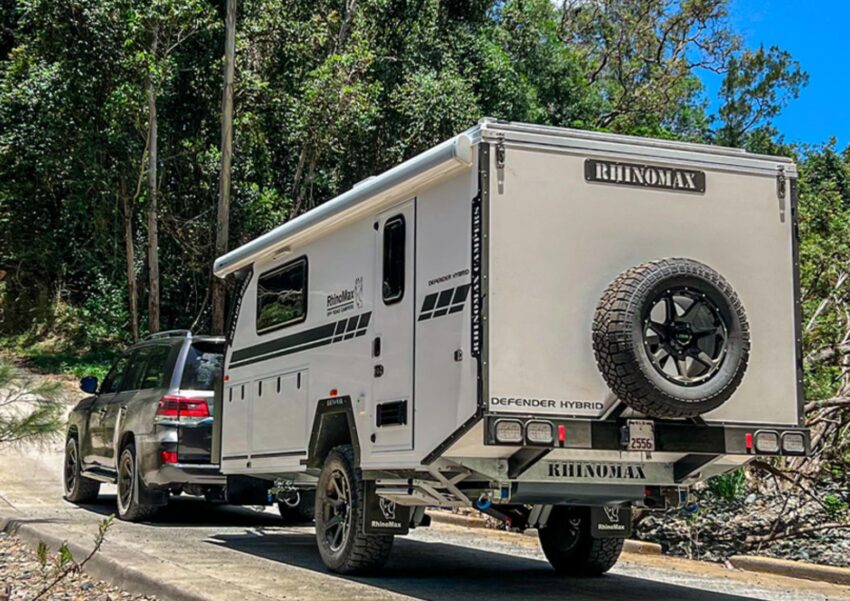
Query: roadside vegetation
[(32, 409), (109, 154)]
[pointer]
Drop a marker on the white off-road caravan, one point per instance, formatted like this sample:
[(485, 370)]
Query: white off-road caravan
[(552, 326)]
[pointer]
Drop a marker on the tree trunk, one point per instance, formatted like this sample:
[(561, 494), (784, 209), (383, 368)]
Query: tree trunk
[(223, 216), (153, 227), (132, 288)]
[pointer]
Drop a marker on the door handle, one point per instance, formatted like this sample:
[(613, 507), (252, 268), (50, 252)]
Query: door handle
[(376, 347)]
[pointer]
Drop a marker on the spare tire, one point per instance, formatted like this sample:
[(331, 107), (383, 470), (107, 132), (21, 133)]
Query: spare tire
[(671, 338)]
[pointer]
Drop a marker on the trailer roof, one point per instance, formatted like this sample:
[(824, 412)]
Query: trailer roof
[(456, 153)]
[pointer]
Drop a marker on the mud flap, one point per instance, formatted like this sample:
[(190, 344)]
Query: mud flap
[(610, 521), (382, 516)]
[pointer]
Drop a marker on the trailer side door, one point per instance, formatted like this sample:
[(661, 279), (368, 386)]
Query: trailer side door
[(391, 418)]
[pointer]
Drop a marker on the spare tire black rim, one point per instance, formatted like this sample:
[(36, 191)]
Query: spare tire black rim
[(685, 336)]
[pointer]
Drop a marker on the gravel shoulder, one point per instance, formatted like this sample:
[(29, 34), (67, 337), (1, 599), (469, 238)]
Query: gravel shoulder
[(23, 577)]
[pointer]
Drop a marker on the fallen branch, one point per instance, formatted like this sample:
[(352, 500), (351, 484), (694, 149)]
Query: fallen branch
[(827, 403), (795, 532)]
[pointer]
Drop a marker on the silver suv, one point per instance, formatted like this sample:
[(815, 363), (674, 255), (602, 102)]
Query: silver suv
[(148, 427)]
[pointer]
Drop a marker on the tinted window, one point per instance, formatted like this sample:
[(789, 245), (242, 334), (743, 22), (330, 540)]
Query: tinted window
[(282, 296), (203, 367), (155, 370), (394, 234), (133, 377), (115, 377)]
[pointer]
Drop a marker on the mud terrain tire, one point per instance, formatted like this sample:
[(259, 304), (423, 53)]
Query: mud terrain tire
[(569, 547), (340, 506), (671, 338)]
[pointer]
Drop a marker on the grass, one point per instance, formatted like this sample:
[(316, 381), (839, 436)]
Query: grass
[(57, 356)]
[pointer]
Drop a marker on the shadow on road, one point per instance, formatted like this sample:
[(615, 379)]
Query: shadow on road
[(439, 571), (188, 512)]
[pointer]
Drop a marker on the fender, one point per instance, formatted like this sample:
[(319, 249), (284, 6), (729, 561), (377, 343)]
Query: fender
[(333, 425)]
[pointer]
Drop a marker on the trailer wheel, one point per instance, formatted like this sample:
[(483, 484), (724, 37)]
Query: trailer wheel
[(671, 338), (569, 547), (340, 500), (298, 510)]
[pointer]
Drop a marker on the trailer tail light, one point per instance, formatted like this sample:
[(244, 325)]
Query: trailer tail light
[(175, 408), (539, 432), (562, 433), (767, 441), (748, 441), (169, 456), (508, 430), (794, 443)]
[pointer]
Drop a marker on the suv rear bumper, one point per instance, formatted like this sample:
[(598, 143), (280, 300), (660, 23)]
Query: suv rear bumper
[(188, 473), (159, 474)]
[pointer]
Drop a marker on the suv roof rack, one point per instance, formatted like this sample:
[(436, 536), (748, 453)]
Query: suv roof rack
[(168, 334)]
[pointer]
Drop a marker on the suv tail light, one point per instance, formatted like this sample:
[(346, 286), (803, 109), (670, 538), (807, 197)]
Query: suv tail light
[(175, 408)]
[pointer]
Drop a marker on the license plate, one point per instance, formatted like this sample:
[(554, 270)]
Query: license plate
[(641, 435)]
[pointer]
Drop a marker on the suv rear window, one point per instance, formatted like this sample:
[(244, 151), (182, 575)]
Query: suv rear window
[(203, 366)]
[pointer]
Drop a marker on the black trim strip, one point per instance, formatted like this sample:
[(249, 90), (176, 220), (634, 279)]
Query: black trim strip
[(234, 457), (322, 335), (278, 454), (798, 311)]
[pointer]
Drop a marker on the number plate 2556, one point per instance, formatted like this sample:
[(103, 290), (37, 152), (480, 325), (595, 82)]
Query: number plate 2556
[(641, 435)]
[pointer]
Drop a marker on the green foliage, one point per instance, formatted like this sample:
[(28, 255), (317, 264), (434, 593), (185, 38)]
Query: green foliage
[(756, 87), (835, 505), (31, 409), (327, 93), (729, 487)]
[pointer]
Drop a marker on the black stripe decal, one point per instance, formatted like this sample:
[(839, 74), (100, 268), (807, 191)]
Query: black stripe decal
[(461, 293), (308, 339), (445, 298), (444, 302)]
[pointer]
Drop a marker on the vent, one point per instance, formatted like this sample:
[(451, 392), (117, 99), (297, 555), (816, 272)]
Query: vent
[(391, 414)]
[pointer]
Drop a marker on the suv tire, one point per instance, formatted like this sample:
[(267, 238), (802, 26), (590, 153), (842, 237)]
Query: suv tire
[(671, 338), (569, 547), (340, 502), (78, 488), (131, 493), (304, 510)]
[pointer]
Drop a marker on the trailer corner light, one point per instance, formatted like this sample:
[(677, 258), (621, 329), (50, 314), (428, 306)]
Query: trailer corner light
[(767, 441), (539, 432), (562, 433), (508, 430), (794, 442), (748, 441), (334, 392)]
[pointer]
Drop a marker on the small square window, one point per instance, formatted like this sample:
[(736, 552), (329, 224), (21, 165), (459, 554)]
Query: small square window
[(282, 296)]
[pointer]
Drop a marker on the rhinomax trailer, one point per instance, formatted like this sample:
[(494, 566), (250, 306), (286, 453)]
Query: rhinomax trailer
[(552, 326)]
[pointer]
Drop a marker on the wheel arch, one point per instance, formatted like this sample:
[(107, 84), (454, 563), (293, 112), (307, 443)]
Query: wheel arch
[(333, 425)]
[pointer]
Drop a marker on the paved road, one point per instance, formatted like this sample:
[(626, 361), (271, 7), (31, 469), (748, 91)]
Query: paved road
[(238, 553)]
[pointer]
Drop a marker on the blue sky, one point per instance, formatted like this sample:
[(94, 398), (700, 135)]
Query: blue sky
[(816, 34)]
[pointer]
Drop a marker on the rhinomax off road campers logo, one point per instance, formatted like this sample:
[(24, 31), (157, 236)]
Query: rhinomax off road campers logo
[(581, 470), (644, 176), (346, 299)]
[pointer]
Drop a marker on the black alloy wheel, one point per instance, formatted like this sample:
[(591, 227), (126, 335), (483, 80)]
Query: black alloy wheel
[(685, 336)]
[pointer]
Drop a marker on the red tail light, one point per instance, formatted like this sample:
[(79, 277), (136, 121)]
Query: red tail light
[(169, 457), (174, 407)]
